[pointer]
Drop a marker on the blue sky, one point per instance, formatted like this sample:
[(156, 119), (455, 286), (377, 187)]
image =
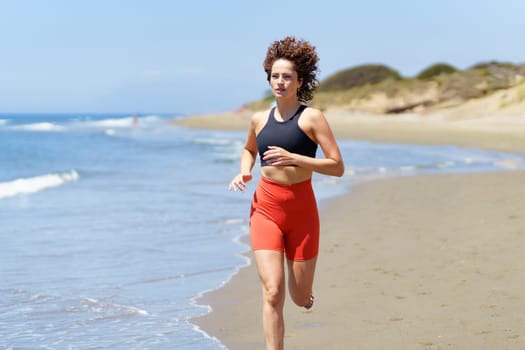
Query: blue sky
[(204, 56)]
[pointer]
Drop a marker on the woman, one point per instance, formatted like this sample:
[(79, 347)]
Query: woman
[(284, 220)]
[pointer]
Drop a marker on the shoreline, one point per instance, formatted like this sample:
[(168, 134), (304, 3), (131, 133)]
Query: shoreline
[(402, 301), (496, 133)]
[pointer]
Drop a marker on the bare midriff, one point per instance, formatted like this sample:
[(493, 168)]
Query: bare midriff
[(286, 175)]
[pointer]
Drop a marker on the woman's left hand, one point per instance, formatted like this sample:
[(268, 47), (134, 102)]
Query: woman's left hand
[(278, 156)]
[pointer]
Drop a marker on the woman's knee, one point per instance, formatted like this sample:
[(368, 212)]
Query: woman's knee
[(274, 295)]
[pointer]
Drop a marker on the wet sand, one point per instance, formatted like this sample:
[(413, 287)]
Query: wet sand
[(421, 262)]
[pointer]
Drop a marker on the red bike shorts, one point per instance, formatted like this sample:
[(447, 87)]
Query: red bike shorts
[(285, 218)]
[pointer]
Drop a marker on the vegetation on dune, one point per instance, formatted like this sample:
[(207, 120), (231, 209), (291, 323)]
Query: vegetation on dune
[(491, 65), (380, 89), (435, 70), (359, 76)]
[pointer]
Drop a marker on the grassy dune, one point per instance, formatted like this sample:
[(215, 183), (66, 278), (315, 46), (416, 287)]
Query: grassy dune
[(381, 90)]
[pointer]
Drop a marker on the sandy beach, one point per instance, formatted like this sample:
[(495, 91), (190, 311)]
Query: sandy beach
[(420, 262)]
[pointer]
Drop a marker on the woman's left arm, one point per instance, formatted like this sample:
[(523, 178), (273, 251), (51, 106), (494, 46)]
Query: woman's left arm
[(317, 127)]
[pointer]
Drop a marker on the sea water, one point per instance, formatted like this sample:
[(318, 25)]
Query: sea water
[(112, 226)]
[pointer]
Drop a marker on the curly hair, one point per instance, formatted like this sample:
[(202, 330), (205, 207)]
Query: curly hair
[(305, 60)]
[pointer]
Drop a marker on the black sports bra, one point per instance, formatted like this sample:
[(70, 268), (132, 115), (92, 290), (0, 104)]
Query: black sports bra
[(286, 134)]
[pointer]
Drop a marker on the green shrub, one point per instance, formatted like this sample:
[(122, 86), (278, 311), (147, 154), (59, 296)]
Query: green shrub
[(493, 65), (435, 70), (358, 76)]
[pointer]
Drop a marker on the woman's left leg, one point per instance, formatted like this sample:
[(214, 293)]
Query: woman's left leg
[(301, 241), (301, 280)]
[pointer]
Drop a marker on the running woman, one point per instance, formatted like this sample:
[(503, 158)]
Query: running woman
[(284, 220)]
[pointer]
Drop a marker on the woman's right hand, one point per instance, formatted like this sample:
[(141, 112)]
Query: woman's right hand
[(239, 182)]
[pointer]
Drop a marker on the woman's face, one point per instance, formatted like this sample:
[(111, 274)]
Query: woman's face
[(283, 79)]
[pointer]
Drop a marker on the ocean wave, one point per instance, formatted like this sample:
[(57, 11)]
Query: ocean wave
[(108, 125), (214, 142), (125, 122), (103, 308), (217, 142), (183, 275), (108, 308), (44, 126), (232, 221), (36, 184)]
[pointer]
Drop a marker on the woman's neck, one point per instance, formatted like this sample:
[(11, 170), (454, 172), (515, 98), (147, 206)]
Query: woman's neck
[(286, 109)]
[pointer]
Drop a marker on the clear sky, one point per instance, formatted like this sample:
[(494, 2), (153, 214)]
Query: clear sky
[(199, 56)]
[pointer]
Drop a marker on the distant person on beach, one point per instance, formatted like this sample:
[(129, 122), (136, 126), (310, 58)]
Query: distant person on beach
[(284, 220), (135, 119)]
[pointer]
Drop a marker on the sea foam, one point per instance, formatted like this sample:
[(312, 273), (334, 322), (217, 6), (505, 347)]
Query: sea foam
[(44, 126), (36, 184), (125, 122)]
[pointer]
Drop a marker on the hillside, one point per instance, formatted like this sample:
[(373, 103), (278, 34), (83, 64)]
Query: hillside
[(487, 88)]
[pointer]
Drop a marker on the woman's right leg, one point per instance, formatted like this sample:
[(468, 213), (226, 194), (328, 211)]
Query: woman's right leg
[(270, 265)]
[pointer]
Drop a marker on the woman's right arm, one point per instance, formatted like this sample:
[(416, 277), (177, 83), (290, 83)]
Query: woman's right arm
[(248, 157)]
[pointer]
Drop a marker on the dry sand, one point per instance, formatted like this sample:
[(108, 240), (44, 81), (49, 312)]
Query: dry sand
[(422, 262)]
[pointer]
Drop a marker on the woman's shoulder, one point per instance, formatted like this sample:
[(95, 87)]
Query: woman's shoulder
[(312, 114), (260, 116)]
